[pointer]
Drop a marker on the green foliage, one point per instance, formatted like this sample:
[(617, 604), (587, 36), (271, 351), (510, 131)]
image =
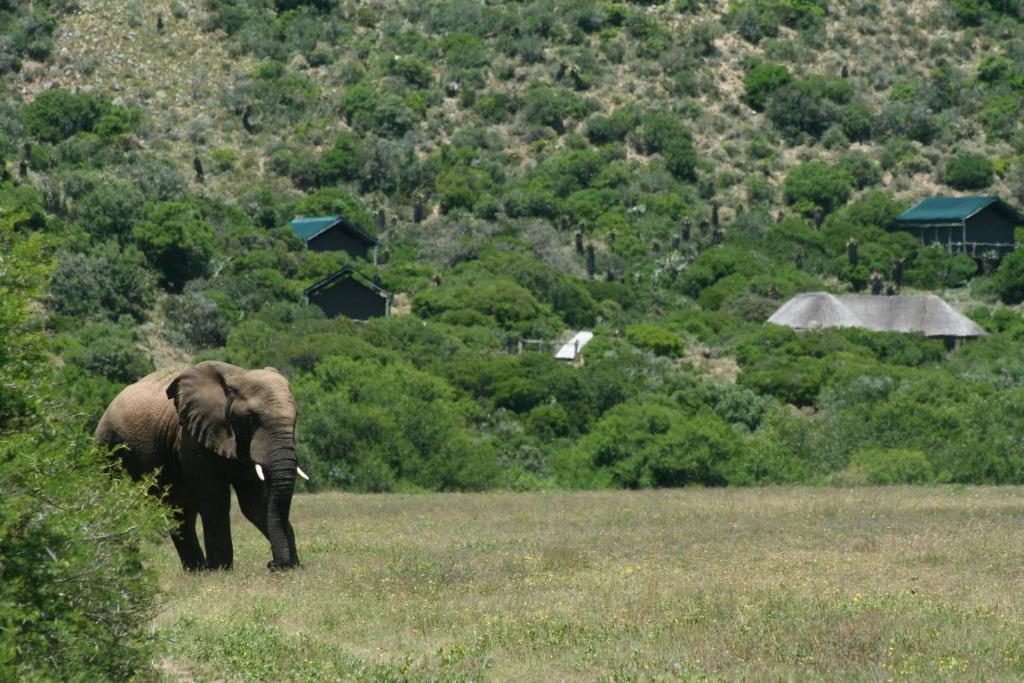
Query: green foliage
[(374, 427), (1009, 279), (56, 115), (890, 466), (75, 600), (369, 108), (107, 282), (109, 351), (665, 134), (969, 172), (176, 241), (763, 80), (656, 339), (816, 185), (650, 442)]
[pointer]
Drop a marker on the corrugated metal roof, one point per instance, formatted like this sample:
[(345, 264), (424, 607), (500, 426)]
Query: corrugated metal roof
[(951, 210), (306, 228), (571, 348), (921, 313)]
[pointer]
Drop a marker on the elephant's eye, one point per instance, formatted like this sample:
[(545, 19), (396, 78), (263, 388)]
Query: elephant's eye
[(252, 416)]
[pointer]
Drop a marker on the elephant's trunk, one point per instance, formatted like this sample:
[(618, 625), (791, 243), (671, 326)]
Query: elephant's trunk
[(280, 473)]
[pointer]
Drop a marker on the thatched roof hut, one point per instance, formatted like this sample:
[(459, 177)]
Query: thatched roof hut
[(924, 313)]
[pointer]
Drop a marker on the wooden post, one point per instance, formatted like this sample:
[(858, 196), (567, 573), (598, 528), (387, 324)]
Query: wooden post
[(876, 283), (896, 272), (417, 209)]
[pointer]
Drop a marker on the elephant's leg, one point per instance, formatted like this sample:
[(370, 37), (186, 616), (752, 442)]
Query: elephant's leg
[(215, 510), (253, 503), (186, 542)]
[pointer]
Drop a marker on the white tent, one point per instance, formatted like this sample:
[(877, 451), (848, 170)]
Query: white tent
[(571, 349)]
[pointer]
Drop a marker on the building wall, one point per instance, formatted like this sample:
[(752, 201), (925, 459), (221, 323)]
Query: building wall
[(348, 297), (337, 239), (989, 226)]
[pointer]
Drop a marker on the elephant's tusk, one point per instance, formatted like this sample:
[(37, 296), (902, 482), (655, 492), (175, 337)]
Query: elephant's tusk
[(259, 472), (302, 474)]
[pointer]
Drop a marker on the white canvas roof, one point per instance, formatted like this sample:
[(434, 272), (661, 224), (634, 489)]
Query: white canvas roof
[(925, 313), (571, 348)]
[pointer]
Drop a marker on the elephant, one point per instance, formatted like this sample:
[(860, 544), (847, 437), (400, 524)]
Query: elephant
[(203, 430)]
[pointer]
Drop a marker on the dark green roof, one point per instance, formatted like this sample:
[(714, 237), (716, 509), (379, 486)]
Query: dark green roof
[(306, 228), (350, 272), (956, 210)]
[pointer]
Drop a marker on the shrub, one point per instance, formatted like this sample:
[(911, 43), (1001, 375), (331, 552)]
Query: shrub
[(373, 427), (601, 129), (176, 241), (542, 105), (367, 108), (197, 318), (110, 209), (650, 442), (461, 187), (656, 339), (1009, 279), (664, 133), (969, 172), (815, 184), (877, 466), (75, 598), (763, 80), (800, 107), (57, 114), (861, 168), (109, 350), (107, 282)]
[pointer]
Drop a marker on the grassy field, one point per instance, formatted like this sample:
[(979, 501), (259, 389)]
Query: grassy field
[(754, 584)]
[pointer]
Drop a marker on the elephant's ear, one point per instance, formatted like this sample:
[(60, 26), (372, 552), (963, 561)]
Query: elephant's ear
[(203, 399)]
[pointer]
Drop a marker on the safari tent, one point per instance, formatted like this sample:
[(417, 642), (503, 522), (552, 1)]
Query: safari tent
[(335, 233), (969, 225), (350, 293)]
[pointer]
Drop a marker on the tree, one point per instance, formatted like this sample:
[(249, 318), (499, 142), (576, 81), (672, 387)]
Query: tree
[(816, 185), (176, 241), (75, 599), (762, 81), (1009, 279), (969, 172)]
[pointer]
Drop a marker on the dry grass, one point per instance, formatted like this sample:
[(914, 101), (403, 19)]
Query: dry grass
[(770, 584)]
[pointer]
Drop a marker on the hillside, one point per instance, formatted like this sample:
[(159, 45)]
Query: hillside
[(717, 157)]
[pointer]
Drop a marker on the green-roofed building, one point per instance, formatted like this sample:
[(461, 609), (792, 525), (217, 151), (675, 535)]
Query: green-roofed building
[(968, 225), (335, 233)]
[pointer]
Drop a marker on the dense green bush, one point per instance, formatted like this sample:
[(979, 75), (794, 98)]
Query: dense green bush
[(75, 599), (657, 339), (763, 80), (1009, 279), (373, 427), (56, 115), (177, 242), (969, 172), (887, 467), (107, 282), (816, 185)]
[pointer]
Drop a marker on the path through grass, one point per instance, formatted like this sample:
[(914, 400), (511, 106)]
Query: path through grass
[(756, 584)]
